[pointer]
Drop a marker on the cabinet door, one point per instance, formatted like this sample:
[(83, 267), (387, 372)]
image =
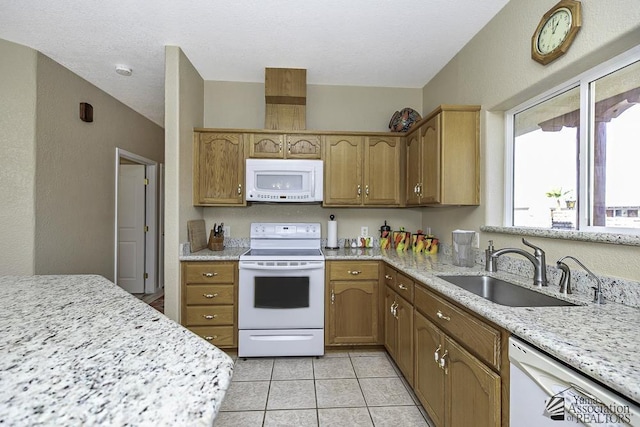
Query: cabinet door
[(353, 312), (428, 381), (303, 147), (414, 168), (266, 145), (430, 142), (218, 172), (343, 170), (390, 322), (404, 338), (473, 390), (382, 173)]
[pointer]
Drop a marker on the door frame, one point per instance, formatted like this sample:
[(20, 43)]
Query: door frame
[(151, 284)]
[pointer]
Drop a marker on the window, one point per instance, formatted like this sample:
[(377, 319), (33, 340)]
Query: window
[(574, 153)]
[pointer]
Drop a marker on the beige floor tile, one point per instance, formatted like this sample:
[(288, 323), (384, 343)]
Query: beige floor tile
[(252, 369), (296, 394), (246, 396), (293, 368), (339, 393), (409, 389), (336, 353), (394, 416), (235, 419), (291, 418), (341, 417), (333, 367), (373, 367), (368, 353), (385, 392)]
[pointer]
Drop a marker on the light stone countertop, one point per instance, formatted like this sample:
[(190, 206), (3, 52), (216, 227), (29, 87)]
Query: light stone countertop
[(79, 350), (603, 341)]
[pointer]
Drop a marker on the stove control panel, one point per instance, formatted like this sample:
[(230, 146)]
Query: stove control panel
[(279, 230)]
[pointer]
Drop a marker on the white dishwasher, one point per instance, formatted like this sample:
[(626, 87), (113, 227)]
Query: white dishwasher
[(545, 392)]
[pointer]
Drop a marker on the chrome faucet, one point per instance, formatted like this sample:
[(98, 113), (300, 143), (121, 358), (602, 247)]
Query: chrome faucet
[(537, 259), (565, 279)]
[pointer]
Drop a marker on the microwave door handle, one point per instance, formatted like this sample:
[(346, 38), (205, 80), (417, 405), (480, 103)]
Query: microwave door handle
[(313, 183)]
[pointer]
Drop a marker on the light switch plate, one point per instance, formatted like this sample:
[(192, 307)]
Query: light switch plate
[(364, 231), (227, 230)]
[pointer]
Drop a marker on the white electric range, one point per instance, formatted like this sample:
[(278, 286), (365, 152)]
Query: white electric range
[(281, 291)]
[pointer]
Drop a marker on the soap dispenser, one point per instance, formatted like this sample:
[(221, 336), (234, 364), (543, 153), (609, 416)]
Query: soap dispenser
[(487, 256)]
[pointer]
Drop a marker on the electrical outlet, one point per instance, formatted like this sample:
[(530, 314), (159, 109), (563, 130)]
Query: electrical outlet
[(476, 240), (226, 229), (364, 231)]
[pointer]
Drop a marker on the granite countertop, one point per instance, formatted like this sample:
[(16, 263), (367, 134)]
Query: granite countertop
[(602, 341), (79, 350)]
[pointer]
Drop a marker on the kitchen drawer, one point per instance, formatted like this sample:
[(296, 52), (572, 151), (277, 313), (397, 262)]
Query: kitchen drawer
[(209, 272), (390, 276), (217, 335), (353, 270), (210, 294), (209, 315), (404, 287), (478, 337)]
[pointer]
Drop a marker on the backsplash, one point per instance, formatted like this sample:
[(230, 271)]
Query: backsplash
[(614, 289)]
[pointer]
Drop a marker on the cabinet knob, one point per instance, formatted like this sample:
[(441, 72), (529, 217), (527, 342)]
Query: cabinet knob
[(239, 189), (442, 316), (359, 190), (289, 147), (386, 276), (333, 296), (211, 338), (210, 295), (209, 316), (209, 274), (403, 287), (366, 190), (354, 272)]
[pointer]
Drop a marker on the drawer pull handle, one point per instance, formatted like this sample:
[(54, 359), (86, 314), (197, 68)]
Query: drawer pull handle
[(354, 272), (333, 297), (436, 354), (210, 295), (403, 287), (386, 276), (209, 274), (442, 316), (211, 338), (209, 316)]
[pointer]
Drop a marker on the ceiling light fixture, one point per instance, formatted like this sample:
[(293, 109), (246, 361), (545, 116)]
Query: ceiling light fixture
[(123, 70)]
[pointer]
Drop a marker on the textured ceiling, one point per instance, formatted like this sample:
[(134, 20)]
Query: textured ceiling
[(357, 42)]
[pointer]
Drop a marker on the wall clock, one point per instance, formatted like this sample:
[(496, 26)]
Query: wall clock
[(556, 31)]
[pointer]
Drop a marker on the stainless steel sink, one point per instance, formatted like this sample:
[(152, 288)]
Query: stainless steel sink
[(504, 293)]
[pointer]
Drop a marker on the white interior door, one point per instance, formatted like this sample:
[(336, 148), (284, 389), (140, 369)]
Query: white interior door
[(131, 224)]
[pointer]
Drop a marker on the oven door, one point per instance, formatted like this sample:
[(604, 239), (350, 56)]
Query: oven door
[(281, 295)]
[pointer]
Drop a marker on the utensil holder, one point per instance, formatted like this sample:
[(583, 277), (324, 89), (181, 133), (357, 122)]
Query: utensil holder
[(216, 243)]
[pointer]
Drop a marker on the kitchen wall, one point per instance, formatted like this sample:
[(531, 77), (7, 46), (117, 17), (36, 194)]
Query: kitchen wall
[(18, 159), (495, 70), (183, 111), (57, 215), (75, 173)]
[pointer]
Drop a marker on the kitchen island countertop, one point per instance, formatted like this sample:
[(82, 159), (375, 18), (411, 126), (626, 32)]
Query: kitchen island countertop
[(600, 341), (79, 350)]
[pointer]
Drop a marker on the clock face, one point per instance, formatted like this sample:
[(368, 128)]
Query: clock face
[(554, 32)]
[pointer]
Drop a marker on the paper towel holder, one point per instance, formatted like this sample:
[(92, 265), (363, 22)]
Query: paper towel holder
[(331, 219)]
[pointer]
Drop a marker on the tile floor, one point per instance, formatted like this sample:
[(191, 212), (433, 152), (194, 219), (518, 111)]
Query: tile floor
[(356, 388)]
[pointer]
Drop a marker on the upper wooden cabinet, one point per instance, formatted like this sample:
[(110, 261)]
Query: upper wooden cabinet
[(218, 169), (443, 158), (284, 146), (362, 170)]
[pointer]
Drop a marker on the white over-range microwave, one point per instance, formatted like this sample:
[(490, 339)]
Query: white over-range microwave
[(274, 180)]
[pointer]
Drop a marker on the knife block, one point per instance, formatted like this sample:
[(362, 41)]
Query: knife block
[(216, 243)]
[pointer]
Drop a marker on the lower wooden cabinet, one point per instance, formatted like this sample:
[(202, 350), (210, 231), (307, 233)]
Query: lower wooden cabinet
[(352, 302), (455, 387), (209, 293), (399, 332)]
